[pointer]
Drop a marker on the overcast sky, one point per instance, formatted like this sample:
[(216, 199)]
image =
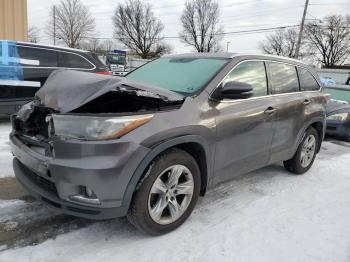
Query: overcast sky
[(236, 15)]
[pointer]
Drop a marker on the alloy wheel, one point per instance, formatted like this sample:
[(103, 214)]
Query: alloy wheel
[(171, 194), (308, 151)]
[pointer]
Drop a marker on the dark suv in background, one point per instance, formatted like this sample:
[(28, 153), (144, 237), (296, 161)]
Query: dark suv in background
[(24, 68), (149, 144)]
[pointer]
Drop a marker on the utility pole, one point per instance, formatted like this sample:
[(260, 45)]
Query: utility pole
[(54, 25), (301, 30)]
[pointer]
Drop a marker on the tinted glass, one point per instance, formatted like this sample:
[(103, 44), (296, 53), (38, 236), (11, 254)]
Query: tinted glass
[(182, 75), (252, 73), (37, 57), (283, 78), (307, 81), (70, 60)]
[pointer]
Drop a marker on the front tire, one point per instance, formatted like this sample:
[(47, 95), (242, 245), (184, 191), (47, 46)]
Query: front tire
[(167, 195), (305, 154)]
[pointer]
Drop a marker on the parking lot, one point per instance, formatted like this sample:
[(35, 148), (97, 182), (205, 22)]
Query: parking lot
[(267, 215)]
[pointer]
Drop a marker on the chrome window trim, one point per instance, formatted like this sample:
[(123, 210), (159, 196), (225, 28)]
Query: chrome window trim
[(268, 95), (62, 51)]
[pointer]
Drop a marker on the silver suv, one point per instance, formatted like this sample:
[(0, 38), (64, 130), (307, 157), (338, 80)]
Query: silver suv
[(148, 145)]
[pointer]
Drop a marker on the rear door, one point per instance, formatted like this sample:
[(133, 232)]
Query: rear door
[(289, 105), (244, 126)]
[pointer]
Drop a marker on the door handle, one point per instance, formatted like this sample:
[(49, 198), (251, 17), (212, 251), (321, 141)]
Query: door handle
[(307, 101), (270, 110)]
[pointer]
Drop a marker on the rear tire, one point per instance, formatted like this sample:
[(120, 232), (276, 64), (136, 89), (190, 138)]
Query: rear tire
[(167, 195), (305, 154)]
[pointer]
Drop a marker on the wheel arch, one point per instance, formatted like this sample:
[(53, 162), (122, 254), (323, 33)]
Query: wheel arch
[(319, 124), (193, 144), (320, 131)]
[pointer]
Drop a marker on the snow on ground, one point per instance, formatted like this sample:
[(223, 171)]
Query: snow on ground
[(5, 152), (267, 215)]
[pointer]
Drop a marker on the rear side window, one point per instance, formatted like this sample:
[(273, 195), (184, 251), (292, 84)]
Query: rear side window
[(252, 73), (283, 78), (31, 56), (71, 60), (307, 81)]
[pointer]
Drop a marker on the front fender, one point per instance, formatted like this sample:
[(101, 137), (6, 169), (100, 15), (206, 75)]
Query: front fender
[(158, 149)]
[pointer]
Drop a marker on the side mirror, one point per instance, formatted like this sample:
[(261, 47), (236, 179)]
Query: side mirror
[(235, 90)]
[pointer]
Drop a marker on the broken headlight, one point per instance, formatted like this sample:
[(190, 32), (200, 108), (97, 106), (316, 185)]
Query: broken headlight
[(96, 127)]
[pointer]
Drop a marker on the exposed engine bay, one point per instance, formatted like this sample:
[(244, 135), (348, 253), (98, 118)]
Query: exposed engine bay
[(69, 92)]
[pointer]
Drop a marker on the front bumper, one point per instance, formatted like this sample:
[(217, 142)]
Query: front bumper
[(338, 129), (105, 167)]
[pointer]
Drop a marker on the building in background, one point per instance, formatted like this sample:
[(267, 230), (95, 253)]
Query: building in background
[(13, 20)]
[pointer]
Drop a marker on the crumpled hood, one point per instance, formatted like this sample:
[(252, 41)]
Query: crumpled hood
[(67, 90)]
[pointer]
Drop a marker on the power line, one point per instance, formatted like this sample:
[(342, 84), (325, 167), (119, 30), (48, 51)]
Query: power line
[(240, 32)]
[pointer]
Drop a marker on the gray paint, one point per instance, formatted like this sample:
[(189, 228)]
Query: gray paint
[(237, 136)]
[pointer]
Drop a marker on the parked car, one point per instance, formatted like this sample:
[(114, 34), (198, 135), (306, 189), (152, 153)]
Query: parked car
[(149, 144), (116, 62), (338, 119), (24, 68)]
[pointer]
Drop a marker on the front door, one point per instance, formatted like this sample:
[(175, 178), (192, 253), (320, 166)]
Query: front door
[(244, 126)]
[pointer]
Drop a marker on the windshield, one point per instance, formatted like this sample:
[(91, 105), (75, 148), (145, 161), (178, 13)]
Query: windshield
[(181, 75), (116, 59)]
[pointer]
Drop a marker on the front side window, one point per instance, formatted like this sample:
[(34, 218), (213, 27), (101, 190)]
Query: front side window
[(251, 73), (283, 78), (37, 57), (182, 75), (307, 81)]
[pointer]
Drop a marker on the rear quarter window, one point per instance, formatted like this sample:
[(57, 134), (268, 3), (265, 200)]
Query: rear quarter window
[(307, 81), (283, 78), (70, 60)]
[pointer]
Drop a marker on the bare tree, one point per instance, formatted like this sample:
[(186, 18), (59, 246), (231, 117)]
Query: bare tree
[(282, 42), (330, 39), (161, 49), (71, 22), (137, 28), (108, 45), (33, 34), (200, 22), (91, 44)]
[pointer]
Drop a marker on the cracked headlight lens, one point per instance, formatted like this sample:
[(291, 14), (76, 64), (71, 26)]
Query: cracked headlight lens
[(97, 127)]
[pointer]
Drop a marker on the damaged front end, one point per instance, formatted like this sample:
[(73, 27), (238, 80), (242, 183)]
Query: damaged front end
[(90, 107), (66, 142)]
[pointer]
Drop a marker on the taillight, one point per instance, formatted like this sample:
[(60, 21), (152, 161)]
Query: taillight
[(104, 73)]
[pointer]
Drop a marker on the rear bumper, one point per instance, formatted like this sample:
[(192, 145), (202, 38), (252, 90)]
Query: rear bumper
[(104, 167)]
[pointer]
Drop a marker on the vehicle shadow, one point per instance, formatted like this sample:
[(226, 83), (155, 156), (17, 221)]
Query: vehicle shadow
[(34, 223)]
